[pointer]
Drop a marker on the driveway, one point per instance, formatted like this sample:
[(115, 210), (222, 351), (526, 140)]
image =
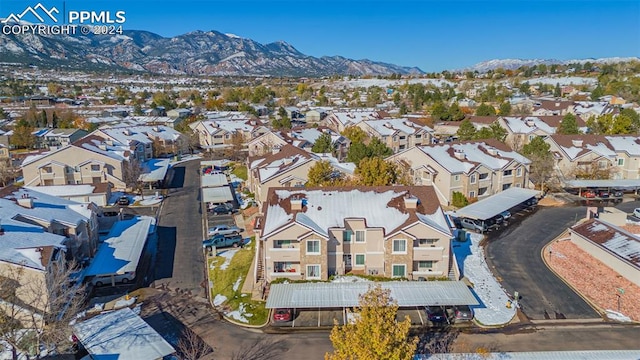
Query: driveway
[(513, 255), (180, 261)]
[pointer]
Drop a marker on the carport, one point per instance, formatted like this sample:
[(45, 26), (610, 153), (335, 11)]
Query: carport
[(495, 204), (333, 300), (213, 180), (217, 195), (620, 184)]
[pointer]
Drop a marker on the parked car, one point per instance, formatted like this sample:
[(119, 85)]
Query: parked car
[(225, 208), (224, 230), (589, 194), (636, 212), (123, 200), (505, 215), (436, 314), (462, 313), (474, 225), (603, 194), (282, 315), (617, 193), (125, 278), (220, 241)]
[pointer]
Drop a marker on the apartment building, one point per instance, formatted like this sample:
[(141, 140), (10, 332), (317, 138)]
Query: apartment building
[(398, 134), (391, 231), (475, 168), (219, 133)]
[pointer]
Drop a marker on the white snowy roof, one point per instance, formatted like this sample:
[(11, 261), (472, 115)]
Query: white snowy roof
[(628, 144), (525, 125), (311, 135), (347, 294), (142, 134), (120, 252), (495, 204), (63, 190), (475, 153), (353, 117), (217, 195), (618, 241), (154, 170), (213, 180), (388, 127), (344, 167), (325, 209), (20, 243), (45, 207), (121, 335)]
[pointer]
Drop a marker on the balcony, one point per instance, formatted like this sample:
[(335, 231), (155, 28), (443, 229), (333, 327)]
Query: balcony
[(426, 273), (285, 269), (47, 175), (428, 253), (284, 254)]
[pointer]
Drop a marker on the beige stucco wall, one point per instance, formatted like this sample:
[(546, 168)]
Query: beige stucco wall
[(261, 189), (32, 289), (620, 266), (71, 157)]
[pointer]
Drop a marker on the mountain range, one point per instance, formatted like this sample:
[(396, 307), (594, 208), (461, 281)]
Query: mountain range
[(194, 53), (512, 64)]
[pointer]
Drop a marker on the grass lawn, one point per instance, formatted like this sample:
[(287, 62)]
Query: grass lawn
[(240, 171), (224, 280)]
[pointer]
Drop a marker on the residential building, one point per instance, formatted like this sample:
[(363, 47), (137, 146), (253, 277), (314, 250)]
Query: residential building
[(285, 166), (550, 107), (178, 113), (145, 142), (90, 160), (450, 128), (475, 168), (339, 120), (522, 129), (390, 231), (216, 134), (55, 138), (4, 152), (398, 134), (616, 247), (600, 156)]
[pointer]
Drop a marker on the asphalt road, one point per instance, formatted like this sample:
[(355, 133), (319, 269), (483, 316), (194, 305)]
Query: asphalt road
[(180, 261), (514, 256)]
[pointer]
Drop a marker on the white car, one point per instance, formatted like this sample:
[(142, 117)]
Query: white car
[(636, 212), (224, 230), (125, 278)]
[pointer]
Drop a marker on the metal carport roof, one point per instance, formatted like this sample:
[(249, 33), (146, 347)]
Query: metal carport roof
[(342, 295), (621, 183), (217, 195), (213, 180), (495, 204)]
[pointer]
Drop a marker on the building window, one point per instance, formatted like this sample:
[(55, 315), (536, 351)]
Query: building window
[(400, 246), (346, 236), (506, 186), (621, 162), (483, 176), (347, 260), (313, 272), (418, 136), (482, 191), (402, 137), (360, 236), (401, 147), (427, 241), (360, 259), (472, 194), (602, 164), (518, 185), (519, 172), (507, 173), (456, 177), (472, 179), (47, 169), (425, 265), (284, 266), (283, 244), (69, 169), (399, 270), (95, 167), (313, 247)]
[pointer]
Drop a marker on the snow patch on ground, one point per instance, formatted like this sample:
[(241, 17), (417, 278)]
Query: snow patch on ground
[(151, 200), (348, 279), (616, 316), (124, 303), (227, 255), (241, 314), (492, 297), (219, 300), (236, 285)]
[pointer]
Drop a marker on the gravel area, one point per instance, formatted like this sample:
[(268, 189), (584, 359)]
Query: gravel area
[(593, 279)]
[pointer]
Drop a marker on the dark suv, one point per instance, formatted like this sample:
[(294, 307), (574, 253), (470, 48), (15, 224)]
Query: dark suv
[(225, 208), (123, 200)]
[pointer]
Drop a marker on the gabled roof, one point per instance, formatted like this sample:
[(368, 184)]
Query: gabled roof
[(327, 207), (22, 244), (353, 117), (289, 157), (387, 127), (47, 208), (575, 146), (528, 124), (490, 153)]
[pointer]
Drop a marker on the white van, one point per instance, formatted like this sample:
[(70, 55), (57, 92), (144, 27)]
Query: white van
[(125, 278)]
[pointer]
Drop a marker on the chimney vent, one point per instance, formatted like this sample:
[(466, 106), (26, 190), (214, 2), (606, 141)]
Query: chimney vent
[(26, 202), (410, 202), (459, 154), (577, 142), (296, 204)]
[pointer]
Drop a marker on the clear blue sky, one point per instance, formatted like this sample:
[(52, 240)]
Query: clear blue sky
[(433, 35)]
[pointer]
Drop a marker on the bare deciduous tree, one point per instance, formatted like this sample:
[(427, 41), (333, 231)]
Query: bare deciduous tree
[(191, 346), (7, 172), (261, 349), (38, 307), (131, 172)]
